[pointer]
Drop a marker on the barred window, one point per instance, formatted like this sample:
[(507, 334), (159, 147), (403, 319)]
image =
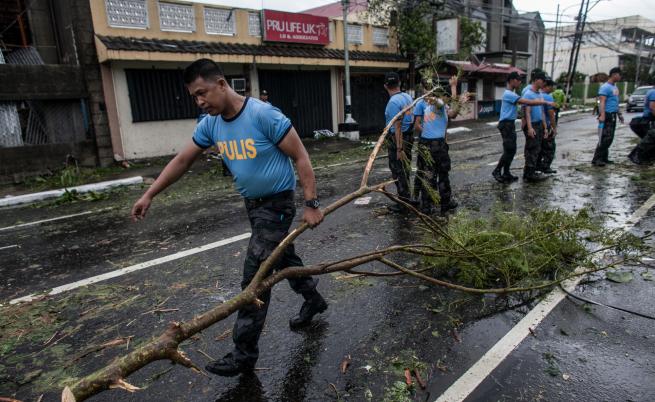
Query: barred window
[(381, 36), (219, 21), (176, 17), (157, 95), (127, 13), (254, 24), (355, 34)]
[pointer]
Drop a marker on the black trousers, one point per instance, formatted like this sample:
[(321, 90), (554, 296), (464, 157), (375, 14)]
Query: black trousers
[(645, 150), (433, 165), (270, 219), (508, 134), (532, 147), (401, 171), (547, 153), (605, 139)]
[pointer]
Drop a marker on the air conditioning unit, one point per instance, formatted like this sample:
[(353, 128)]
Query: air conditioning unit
[(239, 84)]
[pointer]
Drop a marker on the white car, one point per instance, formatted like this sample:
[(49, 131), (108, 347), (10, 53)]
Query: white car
[(636, 99)]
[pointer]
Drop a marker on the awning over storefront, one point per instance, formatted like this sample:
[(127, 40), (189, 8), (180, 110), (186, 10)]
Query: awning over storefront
[(484, 68), (117, 45)]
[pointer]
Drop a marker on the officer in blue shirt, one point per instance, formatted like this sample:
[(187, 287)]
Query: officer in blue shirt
[(644, 152), (608, 110), (534, 128), (400, 138), (433, 162), (258, 143), (547, 153), (507, 127)]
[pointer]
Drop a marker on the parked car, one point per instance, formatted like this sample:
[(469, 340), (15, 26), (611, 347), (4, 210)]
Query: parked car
[(636, 99)]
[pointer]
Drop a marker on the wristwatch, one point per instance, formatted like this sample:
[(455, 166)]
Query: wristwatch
[(314, 204)]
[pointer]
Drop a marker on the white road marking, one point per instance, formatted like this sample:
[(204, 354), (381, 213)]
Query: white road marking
[(133, 268), (362, 201), (470, 380), (8, 247), (457, 130), (23, 225)]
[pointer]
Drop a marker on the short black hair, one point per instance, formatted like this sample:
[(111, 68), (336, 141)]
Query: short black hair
[(538, 74), (550, 83), (615, 70), (513, 76), (392, 80), (205, 68)]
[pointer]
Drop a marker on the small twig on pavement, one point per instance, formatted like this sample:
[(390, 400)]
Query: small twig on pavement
[(224, 335), (205, 354), (420, 381), (161, 310), (334, 387)]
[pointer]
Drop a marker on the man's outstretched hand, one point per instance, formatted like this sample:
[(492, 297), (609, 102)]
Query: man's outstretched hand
[(140, 208)]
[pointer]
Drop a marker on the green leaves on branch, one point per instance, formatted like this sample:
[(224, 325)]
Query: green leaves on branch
[(525, 250)]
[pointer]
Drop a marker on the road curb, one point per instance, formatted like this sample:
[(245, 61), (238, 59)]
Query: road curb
[(44, 195)]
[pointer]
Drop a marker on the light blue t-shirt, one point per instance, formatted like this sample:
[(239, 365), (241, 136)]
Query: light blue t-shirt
[(509, 107), (398, 102), (435, 119), (248, 143), (611, 92), (547, 108), (535, 111), (650, 97)]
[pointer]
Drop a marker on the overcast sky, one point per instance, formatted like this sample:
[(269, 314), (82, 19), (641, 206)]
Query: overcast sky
[(603, 10)]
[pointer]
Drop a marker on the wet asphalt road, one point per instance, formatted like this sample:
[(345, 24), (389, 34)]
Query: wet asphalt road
[(594, 355)]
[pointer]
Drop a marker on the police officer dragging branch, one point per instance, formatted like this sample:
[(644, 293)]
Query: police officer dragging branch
[(433, 162), (258, 143), (644, 152), (400, 138), (608, 111), (506, 125)]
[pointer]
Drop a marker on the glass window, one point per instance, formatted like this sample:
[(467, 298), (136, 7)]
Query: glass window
[(220, 21), (127, 13), (254, 25), (355, 34), (176, 17), (381, 36)]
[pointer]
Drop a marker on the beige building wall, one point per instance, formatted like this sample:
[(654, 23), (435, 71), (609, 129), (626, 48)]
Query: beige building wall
[(101, 27)]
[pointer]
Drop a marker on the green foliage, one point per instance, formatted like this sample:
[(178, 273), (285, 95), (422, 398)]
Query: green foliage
[(577, 77), (415, 32), (516, 250), (471, 36), (74, 196), (398, 392)]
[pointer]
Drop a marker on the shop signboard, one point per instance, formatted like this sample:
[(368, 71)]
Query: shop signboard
[(279, 26)]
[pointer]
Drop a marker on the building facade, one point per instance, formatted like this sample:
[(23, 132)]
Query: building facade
[(143, 46), (52, 105), (605, 44)]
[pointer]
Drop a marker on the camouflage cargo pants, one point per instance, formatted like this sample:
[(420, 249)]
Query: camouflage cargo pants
[(270, 219)]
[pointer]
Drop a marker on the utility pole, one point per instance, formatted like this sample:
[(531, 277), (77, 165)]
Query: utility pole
[(552, 64), (582, 19), (569, 73), (641, 47), (348, 111), (349, 128)]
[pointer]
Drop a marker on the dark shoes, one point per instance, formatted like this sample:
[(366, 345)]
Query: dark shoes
[(598, 163), (498, 176), (449, 206), (548, 170), (533, 177), (229, 367), (312, 306), (509, 178)]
